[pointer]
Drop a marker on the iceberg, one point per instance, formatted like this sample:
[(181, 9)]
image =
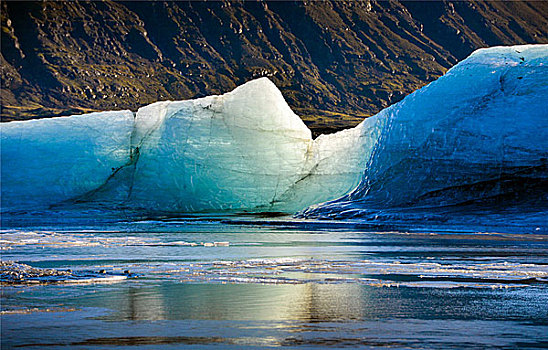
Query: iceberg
[(480, 132), (49, 161), (244, 150)]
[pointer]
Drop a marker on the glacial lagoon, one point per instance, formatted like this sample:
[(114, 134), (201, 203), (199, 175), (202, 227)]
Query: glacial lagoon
[(224, 282), (220, 222)]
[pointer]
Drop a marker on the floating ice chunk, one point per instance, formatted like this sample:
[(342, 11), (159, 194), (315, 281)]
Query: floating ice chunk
[(480, 132), (244, 150), (238, 150), (48, 161)]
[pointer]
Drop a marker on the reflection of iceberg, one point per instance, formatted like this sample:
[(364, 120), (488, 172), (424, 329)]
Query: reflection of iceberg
[(479, 131), (303, 302)]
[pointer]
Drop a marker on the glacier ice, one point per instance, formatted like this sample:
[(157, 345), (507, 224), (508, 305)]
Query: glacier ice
[(243, 150), (48, 161), (478, 132)]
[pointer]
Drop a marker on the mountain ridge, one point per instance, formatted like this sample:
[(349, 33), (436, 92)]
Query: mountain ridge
[(335, 62)]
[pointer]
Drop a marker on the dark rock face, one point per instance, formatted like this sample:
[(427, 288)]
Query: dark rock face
[(335, 62)]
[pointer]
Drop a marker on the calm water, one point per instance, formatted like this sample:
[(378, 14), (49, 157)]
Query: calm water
[(207, 282)]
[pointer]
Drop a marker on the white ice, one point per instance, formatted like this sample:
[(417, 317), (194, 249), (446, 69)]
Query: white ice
[(478, 132), (243, 150)]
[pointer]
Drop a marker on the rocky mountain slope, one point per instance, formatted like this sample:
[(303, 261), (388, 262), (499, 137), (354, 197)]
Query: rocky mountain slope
[(335, 61)]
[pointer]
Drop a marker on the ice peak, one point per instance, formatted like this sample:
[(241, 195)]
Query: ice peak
[(259, 83)]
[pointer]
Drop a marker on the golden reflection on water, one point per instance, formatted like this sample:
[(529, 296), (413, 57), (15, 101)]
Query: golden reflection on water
[(303, 302)]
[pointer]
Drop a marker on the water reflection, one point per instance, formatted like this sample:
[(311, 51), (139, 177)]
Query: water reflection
[(142, 304), (215, 296), (305, 302), (316, 302)]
